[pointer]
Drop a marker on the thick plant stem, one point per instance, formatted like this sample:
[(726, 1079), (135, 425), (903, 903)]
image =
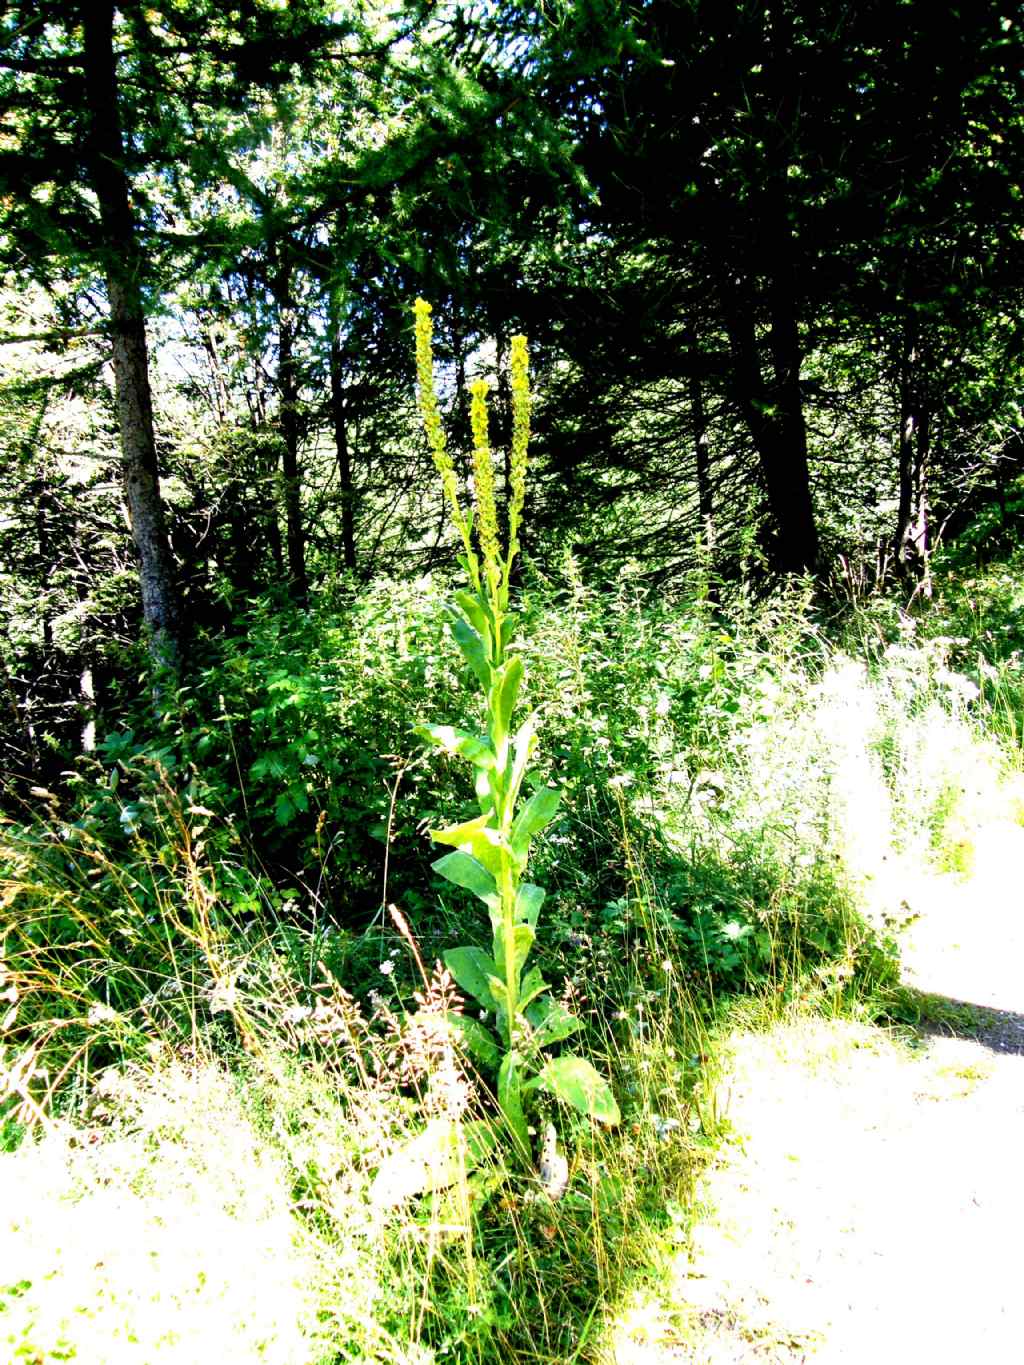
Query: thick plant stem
[(492, 850)]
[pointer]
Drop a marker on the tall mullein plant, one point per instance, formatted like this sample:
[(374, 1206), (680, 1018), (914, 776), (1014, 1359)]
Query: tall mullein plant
[(491, 851)]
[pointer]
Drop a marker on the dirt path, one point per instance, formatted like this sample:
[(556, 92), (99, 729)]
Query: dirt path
[(872, 1207)]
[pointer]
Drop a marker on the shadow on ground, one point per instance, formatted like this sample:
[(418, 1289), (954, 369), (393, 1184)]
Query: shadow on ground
[(933, 1015)]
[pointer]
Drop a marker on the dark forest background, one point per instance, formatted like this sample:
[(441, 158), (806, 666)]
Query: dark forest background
[(768, 257)]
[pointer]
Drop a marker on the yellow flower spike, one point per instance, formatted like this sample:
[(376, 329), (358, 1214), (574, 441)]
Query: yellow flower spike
[(431, 415), (483, 480), (520, 381)]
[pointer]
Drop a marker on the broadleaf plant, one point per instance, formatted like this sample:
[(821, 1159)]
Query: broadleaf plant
[(492, 850)]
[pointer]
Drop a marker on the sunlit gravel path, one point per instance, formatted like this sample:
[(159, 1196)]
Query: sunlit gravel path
[(871, 1208)]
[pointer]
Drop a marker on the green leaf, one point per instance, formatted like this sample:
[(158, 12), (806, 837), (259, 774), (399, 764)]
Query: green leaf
[(476, 837), (510, 1101), (523, 939), (499, 993), (471, 968), (481, 1140), (508, 629), (522, 751), (485, 790), (454, 741), (575, 1081), (505, 693), (453, 1206), (551, 1022), (532, 985), (539, 811), (435, 1159), (529, 899), (473, 650), (463, 1032), (464, 870), (478, 1041), (476, 613)]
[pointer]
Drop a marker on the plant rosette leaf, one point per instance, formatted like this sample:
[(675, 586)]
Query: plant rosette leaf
[(551, 1022), (576, 1083), (433, 1160), (510, 1101), (478, 1041), (472, 968)]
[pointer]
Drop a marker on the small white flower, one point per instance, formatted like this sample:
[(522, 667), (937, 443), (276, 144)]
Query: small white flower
[(223, 997), (386, 968)]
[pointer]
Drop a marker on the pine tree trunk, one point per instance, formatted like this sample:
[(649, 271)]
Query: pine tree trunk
[(123, 267), (702, 454), (920, 530), (288, 388), (911, 540), (346, 486), (906, 458), (780, 441)]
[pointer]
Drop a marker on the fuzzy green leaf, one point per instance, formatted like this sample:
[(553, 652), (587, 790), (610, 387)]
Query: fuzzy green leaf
[(485, 790), (435, 1159), (476, 837), (472, 968), (523, 745), (510, 1100), (523, 937), (499, 993), (575, 1081), (478, 1041), (529, 899), (454, 741), (505, 693), (465, 871), (539, 811), (475, 612), (473, 650), (551, 1022), (532, 985)]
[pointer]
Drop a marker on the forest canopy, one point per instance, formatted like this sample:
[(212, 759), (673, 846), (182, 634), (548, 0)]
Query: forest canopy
[(768, 256)]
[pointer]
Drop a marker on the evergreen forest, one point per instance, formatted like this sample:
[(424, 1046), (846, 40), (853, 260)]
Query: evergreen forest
[(586, 436)]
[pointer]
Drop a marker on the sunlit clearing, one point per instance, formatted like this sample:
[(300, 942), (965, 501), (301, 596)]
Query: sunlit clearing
[(169, 1238)]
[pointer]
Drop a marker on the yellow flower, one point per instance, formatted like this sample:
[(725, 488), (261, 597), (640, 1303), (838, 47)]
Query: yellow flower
[(520, 366), (432, 417), (483, 480)]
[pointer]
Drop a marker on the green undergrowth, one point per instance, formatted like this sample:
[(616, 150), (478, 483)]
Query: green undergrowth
[(222, 1004)]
